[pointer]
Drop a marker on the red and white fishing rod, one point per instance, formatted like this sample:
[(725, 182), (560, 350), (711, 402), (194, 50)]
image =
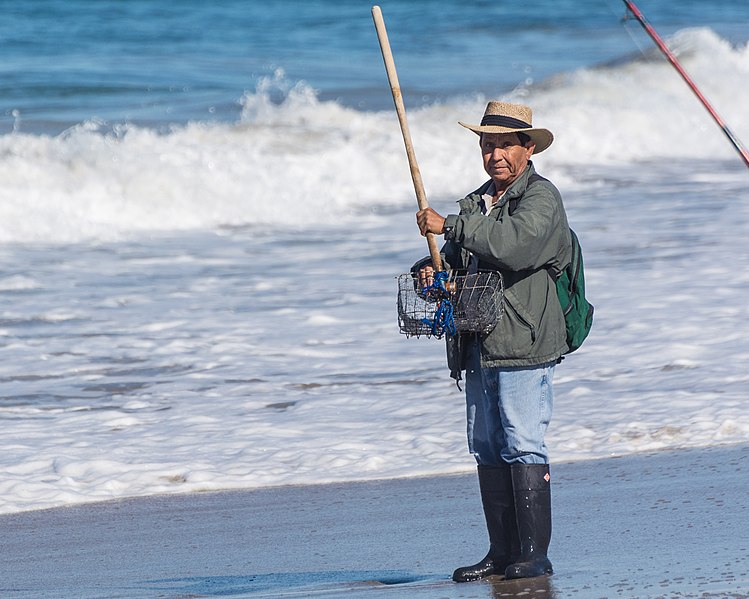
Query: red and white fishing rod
[(672, 59)]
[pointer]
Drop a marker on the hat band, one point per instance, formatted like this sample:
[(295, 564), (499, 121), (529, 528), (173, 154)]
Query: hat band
[(504, 121)]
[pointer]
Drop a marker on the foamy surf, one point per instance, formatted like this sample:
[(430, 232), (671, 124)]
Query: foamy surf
[(334, 163)]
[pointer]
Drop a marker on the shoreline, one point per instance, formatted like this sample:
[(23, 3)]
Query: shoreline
[(661, 524), (301, 485)]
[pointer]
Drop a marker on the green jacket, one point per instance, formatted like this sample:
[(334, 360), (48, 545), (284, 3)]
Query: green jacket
[(524, 247)]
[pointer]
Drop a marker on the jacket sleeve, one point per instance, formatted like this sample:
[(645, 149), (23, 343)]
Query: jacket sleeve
[(523, 241)]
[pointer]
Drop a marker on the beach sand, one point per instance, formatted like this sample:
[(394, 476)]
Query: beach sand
[(668, 524)]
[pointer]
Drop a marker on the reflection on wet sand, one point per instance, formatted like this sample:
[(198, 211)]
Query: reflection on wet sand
[(541, 586)]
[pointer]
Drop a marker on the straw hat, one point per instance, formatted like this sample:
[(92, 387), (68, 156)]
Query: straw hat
[(503, 117)]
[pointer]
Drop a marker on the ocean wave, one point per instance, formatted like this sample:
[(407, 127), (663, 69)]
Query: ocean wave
[(294, 160)]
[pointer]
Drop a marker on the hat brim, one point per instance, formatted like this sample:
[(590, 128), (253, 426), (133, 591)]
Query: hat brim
[(541, 137)]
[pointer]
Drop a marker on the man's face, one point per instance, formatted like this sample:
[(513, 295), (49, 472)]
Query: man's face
[(505, 158)]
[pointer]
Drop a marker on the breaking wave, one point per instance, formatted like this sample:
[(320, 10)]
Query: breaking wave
[(294, 160)]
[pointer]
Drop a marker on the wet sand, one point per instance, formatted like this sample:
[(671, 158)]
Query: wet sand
[(670, 524)]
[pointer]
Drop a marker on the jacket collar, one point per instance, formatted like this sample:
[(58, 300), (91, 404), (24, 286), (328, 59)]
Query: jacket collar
[(516, 190)]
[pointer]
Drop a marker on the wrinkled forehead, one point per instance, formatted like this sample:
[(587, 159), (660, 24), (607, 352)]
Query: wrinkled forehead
[(500, 138)]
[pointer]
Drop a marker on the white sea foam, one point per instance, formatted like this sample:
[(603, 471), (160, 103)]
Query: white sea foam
[(331, 162), (249, 339)]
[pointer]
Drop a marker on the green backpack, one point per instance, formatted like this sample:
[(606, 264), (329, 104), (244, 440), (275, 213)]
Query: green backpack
[(578, 311)]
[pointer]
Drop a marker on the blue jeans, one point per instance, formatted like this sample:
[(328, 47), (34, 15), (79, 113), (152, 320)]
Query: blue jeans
[(508, 411)]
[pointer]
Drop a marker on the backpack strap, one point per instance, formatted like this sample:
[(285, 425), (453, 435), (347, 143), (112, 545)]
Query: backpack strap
[(512, 206)]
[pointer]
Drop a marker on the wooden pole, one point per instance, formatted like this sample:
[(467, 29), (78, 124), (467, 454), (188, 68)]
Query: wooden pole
[(400, 109)]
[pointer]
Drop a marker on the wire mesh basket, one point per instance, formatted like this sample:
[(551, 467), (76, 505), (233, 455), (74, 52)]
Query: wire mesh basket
[(475, 303)]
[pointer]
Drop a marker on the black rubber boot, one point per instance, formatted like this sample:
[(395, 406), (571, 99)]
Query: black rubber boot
[(499, 510), (532, 493)]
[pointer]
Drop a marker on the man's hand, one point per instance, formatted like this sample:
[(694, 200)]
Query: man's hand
[(426, 276), (430, 221)]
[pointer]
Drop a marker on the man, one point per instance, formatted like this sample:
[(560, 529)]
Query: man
[(515, 224)]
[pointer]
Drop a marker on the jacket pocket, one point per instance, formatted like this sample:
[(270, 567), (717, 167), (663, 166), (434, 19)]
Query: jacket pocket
[(525, 319), (515, 335)]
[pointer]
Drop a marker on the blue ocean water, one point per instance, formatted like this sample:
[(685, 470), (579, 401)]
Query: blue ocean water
[(152, 62), (205, 205)]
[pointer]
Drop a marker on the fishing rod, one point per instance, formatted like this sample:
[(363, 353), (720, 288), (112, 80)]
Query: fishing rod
[(672, 59)]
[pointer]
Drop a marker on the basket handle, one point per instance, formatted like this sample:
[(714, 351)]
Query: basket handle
[(400, 109)]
